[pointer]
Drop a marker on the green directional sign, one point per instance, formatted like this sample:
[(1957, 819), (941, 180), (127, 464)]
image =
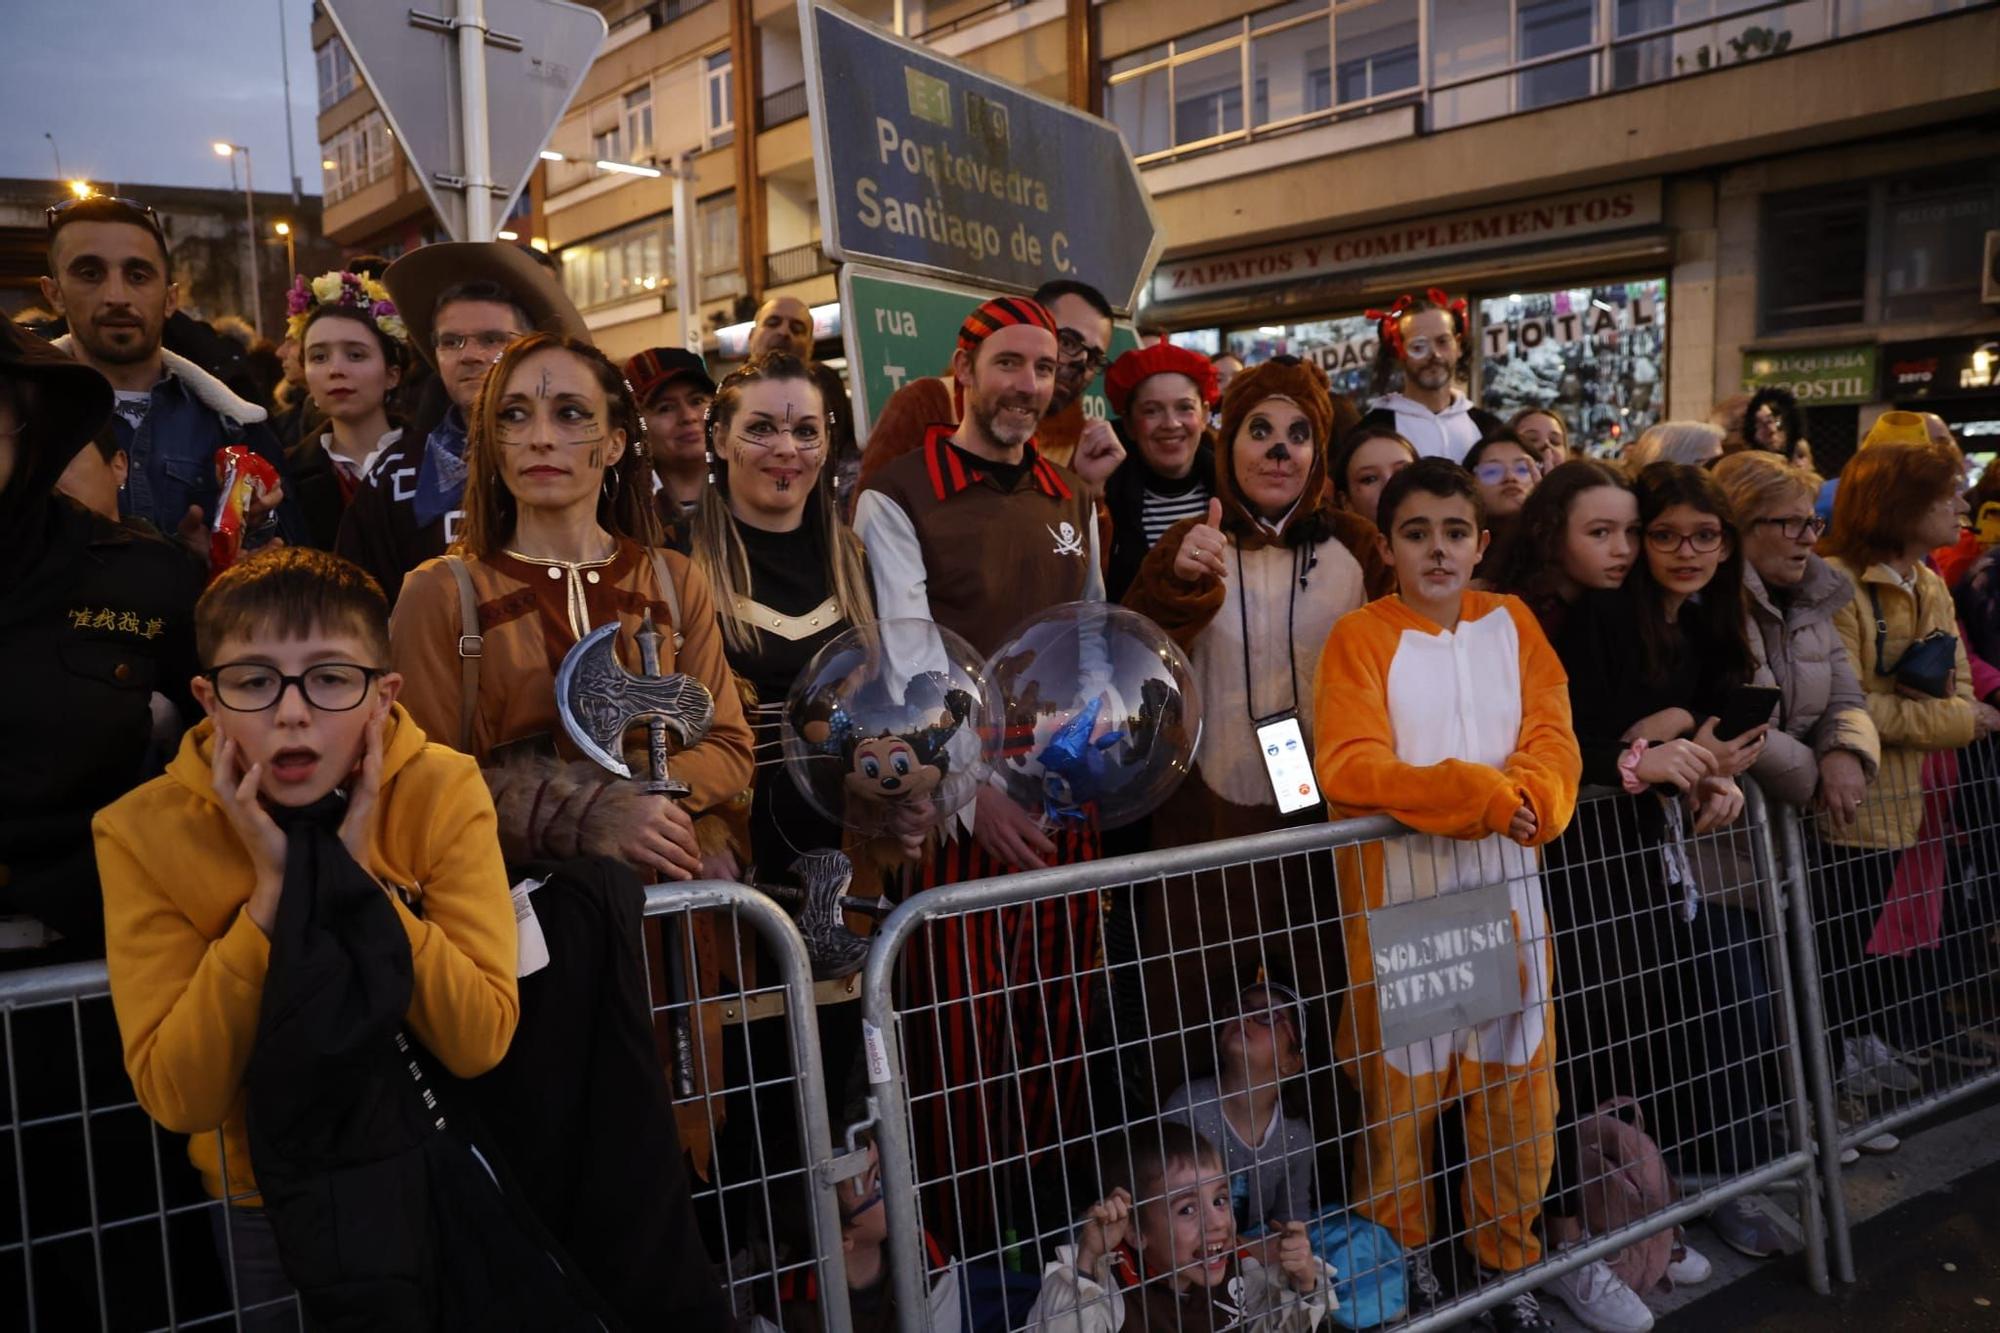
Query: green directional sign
[(900, 328)]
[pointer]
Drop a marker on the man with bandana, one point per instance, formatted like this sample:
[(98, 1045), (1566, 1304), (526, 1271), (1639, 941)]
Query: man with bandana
[(1425, 344), (463, 303), (977, 531), (1088, 446)]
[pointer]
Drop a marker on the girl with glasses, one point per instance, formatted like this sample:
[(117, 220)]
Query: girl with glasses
[(1506, 471), (1650, 664)]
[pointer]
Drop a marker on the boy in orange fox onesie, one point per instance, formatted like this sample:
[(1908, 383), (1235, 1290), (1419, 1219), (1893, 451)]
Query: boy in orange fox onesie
[(1448, 709)]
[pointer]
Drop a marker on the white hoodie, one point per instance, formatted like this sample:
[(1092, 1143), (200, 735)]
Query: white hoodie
[(1447, 434)]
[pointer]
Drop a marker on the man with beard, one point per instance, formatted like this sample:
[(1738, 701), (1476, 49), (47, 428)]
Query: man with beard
[(1064, 436), (463, 302), (111, 278), (1424, 343), (977, 531)]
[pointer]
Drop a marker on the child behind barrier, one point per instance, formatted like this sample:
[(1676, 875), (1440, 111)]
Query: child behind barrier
[(304, 744), (1268, 1151), (1164, 1238), (871, 1296), (1447, 709)]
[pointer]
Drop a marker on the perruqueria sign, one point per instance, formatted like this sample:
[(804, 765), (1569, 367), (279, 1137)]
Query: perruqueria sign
[(1823, 375), (1444, 963)]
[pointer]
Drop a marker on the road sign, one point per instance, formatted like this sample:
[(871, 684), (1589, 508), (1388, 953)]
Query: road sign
[(929, 166), (898, 328), (537, 54)]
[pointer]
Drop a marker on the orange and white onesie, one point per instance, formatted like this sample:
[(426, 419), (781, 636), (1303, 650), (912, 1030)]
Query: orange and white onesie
[(1451, 732)]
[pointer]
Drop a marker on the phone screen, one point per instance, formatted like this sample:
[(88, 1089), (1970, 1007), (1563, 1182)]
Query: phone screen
[(1289, 762)]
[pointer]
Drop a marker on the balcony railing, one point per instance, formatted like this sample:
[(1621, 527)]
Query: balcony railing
[(796, 264), (786, 104), (1147, 103)]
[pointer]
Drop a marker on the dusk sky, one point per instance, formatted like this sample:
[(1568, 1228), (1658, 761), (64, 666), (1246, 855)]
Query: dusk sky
[(135, 91)]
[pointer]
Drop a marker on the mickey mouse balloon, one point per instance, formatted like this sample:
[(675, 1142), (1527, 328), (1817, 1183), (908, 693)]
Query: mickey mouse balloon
[(881, 730), (1092, 715)]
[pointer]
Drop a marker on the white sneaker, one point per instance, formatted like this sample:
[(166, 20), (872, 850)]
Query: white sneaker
[(1886, 1064), (1690, 1266), (1598, 1300), (1853, 1113)]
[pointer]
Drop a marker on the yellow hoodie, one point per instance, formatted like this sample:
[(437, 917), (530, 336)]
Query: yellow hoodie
[(187, 963)]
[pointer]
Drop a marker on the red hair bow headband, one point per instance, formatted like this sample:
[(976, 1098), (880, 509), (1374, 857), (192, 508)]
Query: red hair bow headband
[(1389, 323)]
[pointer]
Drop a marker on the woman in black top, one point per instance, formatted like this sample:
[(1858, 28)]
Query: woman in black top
[(787, 573), (788, 577), (1649, 665)]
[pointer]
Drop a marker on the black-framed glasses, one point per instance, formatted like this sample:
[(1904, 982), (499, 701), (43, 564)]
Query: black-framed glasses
[(1794, 528), (254, 687), (1072, 348), (1702, 541)]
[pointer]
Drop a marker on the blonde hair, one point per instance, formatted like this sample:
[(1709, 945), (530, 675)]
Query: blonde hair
[(1688, 442), (718, 547), (1757, 482)]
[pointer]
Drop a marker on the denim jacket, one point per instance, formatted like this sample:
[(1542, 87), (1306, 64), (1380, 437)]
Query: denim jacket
[(172, 452)]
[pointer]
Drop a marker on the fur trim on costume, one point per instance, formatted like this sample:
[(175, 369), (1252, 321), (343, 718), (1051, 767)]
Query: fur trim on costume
[(209, 391)]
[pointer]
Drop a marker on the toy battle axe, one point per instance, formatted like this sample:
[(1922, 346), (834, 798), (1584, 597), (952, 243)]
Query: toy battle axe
[(598, 700), (835, 950)]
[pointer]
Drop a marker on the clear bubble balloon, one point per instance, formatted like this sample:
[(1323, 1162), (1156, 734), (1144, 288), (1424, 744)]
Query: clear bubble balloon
[(881, 731), (1092, 714)]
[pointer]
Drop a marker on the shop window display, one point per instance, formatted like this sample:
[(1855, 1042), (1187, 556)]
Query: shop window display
[(1597, 355), (1343, 348)]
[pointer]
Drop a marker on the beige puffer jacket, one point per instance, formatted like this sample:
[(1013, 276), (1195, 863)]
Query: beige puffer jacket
[(1909, 728), (1796, 647)]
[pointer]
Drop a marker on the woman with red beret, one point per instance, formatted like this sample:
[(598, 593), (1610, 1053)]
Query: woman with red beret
[(1163, 395)]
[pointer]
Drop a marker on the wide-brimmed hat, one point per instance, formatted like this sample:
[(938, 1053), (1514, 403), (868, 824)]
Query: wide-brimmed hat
[(417, 280), (72, 401)]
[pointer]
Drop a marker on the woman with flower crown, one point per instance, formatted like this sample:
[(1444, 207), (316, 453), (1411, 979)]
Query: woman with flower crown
[(355, 349)]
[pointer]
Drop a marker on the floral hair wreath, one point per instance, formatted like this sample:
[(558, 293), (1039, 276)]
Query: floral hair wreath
[(1389, 323), (354, 292)]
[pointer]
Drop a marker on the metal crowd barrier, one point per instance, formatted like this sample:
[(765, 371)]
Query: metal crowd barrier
[(109, 1226), (1820, 994), (1897, 931), (1006, 1042)]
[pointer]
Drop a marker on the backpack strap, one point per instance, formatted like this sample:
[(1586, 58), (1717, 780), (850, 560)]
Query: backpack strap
[(471, 647), (672, 595)]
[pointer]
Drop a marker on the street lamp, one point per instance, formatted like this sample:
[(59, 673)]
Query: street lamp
[(81, 189), (230, 150), (284, 229)]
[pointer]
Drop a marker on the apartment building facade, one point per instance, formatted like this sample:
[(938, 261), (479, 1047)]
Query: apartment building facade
[(1650, 203)]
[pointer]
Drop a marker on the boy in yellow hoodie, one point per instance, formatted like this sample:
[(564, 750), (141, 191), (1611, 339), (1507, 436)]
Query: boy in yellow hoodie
[(294, 644), (1447, 708)]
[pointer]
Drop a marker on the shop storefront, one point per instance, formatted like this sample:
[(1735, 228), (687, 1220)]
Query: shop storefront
[(1831, 385), (1568, 295), (1957, 378)]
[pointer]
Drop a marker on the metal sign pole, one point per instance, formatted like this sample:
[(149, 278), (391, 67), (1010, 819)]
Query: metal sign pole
[(472, 120)]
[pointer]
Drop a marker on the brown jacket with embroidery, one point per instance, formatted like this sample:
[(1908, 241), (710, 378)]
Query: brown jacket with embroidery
[(531, 613), (947, 543)]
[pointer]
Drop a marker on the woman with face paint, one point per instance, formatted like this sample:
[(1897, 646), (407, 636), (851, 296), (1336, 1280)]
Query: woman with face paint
[(1250, 589), (561, 536), (788, 577), (787, 573)]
